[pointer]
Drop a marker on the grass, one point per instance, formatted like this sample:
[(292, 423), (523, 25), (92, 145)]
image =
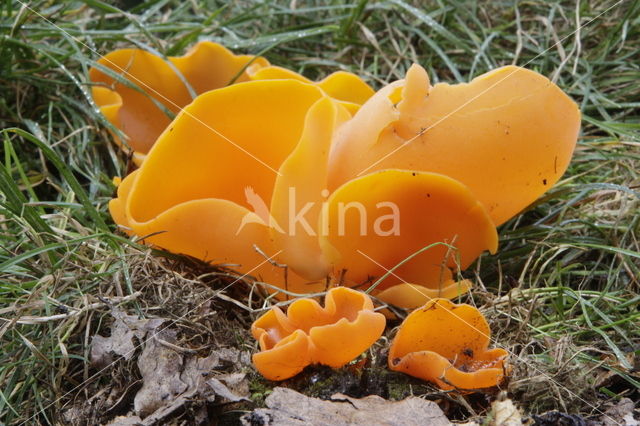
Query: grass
[(562, 293)]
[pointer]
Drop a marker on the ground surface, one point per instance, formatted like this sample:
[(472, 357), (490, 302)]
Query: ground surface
[(562, 294)]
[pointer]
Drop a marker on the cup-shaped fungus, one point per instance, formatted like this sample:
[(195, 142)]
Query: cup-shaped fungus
[(340, 85), (207, 201), (347, 196), (508, 135), (447, 344), (141, 89), (370, 224), (377, 221), (308, 334), (279, 134)]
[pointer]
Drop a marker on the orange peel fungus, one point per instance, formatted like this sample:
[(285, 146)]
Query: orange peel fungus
[(151, 88), (308, 334), (184, 200), (230, 176), (447, 344), (199, 211), (508, 135), (433, 208), (343, 86)]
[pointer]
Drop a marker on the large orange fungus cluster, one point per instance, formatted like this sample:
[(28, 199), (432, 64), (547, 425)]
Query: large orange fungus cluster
[(324, 185)]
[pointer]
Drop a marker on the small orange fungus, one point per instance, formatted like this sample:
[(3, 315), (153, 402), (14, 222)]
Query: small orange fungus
[(447, 344), (308, 334)]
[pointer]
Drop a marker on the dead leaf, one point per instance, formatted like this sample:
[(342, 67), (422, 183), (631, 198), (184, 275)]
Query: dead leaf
[(620, 414), (288, 407), (505, 413), (230, 387), (231, 357), (173, 377), (160, 368), (125, 421), (121, 341)]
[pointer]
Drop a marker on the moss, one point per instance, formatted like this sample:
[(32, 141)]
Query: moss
[(259, 388), (398, 391)]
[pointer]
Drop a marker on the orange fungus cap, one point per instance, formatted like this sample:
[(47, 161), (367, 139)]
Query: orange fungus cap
[(149, 89), (447, 344), (508, 135), (331, 335)]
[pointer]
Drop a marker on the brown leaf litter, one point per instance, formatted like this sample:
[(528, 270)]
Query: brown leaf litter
[(288, 407), (173, 379)]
